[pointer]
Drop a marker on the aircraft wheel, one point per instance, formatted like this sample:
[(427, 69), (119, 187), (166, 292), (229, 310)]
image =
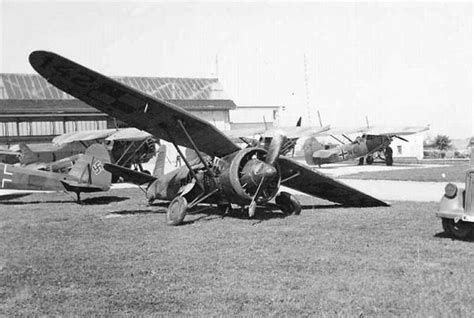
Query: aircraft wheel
[(369, 160), (460, 230), (288, 203), (361, 161), (176, 211), (389, 156)]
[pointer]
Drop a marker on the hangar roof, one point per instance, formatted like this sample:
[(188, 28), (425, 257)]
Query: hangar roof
[(190, 93)]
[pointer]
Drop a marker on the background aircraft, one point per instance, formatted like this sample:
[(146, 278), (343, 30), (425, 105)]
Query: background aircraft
[(263, 136), (86, 175), (374, 143), (245, 177), (128, 146)]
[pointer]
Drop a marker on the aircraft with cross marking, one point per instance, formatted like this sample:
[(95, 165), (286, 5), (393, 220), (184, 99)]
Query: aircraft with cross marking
[(86, 175)]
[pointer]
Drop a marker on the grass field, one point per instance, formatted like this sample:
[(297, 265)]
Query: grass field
[(114, 255), (455, 173)]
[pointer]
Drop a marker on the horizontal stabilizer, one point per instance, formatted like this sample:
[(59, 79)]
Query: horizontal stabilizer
[(129, 175), (74, 186)]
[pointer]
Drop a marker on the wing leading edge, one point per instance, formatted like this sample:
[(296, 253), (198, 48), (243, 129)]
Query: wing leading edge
[(316, 184), (136, 108)]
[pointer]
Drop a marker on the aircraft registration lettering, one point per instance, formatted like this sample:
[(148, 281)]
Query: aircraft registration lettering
[(97, 167), (6, 173)]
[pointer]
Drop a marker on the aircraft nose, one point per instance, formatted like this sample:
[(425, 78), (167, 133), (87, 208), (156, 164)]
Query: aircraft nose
[(269, 171)]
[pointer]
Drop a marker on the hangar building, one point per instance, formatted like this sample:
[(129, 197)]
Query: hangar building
[(34, 111)]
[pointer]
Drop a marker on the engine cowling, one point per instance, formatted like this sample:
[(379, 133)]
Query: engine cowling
[(246, 172)]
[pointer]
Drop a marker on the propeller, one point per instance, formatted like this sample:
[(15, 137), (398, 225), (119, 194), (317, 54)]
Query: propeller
[(278, 140)]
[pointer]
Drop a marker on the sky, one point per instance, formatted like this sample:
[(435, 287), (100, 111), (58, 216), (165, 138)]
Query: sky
[(398, 63)]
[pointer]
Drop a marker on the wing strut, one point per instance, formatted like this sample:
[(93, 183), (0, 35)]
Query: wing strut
[(195, 148), (184, 158), (337, 139)]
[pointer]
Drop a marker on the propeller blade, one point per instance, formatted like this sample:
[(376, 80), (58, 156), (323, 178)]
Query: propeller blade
[(276, 145), (401, 138)]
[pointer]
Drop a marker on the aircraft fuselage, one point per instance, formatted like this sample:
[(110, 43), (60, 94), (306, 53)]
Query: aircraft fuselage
[(361, 147)]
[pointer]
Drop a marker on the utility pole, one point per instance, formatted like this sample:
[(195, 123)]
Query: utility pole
[(306, 84), (217, 66)]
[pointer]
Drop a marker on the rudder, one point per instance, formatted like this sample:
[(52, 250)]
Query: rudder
[(310, 146), (159, 169), (89, 168)]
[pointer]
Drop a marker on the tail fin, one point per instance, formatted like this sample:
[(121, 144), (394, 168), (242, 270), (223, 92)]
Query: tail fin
[(159, 170), (298, 123), (89, 168), (27, 155), (310, 146)]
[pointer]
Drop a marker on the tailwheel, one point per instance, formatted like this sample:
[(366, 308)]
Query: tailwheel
[(288, 203), (389, 156), (459, 230), (176, 211), (369, 160)]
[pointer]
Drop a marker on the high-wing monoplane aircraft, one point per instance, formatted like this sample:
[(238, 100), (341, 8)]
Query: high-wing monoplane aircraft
[(86, 175), (263, 136), (374, 143), (245, 177), (128, 146)]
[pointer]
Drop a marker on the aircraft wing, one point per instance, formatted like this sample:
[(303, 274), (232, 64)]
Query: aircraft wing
[(84, 135), (319, 185), (129, 134), (131, 106), (396, 131), (129, 175), (289, 132)]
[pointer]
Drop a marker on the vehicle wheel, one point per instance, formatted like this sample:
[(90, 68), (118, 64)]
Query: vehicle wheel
[(361, 161), (389, 156), (446, 227), (369, 160), (176, 211), (460, 230), (288, 203)]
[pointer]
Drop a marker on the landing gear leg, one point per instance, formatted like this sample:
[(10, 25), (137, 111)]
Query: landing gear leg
[(288, 203), (78, 194), (176, 211)]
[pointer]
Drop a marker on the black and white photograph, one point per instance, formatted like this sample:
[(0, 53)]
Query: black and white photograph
[(236, 158)]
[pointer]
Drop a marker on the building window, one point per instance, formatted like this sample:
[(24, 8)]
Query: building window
[(8, 129), (58, 127), (71, 126), (399, 149), (25, 128)]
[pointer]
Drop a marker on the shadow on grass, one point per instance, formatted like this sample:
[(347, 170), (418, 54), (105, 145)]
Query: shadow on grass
[(88, 201), (204, 212), (13, 196), (444, 235)]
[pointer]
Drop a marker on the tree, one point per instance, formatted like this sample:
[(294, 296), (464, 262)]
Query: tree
[(442, 142)]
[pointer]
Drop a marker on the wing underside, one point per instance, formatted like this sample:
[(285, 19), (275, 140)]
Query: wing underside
[(137, 109), (311, 182), (129, 175)]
